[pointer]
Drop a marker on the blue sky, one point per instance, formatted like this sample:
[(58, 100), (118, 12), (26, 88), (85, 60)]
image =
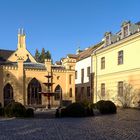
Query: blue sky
[(61, 26)]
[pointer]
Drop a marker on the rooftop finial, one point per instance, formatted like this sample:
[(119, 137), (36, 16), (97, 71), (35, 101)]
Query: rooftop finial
[(18, 30), (21, 31)]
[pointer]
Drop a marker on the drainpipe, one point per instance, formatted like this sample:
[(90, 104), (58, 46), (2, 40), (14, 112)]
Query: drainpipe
[(96, 75), (92, 80)]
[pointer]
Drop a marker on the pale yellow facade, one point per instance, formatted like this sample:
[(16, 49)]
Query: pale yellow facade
[(128, 72), (19, 73)]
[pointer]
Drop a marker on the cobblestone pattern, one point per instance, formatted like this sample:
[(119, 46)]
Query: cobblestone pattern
[(125, 125)]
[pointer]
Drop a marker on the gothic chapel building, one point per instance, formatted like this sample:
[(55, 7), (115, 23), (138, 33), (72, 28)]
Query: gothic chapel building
[(22, 78)]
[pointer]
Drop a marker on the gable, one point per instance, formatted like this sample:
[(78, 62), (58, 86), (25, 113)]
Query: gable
[(24, 53)]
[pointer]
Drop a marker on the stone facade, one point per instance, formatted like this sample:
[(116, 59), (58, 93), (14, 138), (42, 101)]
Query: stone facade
[(22, 78)]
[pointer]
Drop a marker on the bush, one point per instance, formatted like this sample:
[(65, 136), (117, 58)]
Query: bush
[(93, 106), (57, 113), (99, 104), (29, 112), (89, 111), (63, 112), (1, 111), (106, 107), (15, 109), (74, 110)]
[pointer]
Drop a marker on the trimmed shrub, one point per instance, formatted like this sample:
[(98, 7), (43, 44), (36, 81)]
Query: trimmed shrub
[(89, 111), (63, 112), (99, 104), (93, 106), (29, 113), (74, 110), (15, 109), (1, 111), (106, 107), (57, 114)]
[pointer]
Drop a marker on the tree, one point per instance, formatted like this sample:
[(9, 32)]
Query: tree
[(37, 56), (129, 95), (40, 57), (47, 55)]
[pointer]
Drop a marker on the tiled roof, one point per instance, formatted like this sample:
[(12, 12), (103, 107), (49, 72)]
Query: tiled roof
[(58, 63), (34, 65), (86, 53), (4, 54), (72, 55), (58, 67), (28, 65), (8, 63)]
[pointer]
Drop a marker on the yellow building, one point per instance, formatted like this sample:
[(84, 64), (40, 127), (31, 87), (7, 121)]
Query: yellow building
[(117, 63), (22, 78)]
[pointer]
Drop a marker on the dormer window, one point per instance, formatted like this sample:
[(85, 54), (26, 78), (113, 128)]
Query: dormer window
[(107, 38), (125, 29)]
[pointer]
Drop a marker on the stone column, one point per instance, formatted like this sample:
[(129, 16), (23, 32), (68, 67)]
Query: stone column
[(20, 95)]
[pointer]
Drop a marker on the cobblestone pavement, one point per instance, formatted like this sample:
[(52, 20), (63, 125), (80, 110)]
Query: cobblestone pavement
[(125, 125)]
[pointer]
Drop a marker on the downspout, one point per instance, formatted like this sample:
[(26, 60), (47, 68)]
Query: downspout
[(96, 75), (91, 82)]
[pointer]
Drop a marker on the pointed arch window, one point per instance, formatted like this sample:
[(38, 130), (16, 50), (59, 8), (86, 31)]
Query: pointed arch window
[(58, 92), (8, 94), (34, 97)]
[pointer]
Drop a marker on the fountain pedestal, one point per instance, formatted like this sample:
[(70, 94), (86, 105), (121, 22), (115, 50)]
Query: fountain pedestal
[(49, 92)]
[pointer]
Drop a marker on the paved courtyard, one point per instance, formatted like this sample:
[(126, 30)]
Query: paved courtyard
[(125, 125)]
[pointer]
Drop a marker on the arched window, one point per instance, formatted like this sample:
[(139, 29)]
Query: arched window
[(58, 92), (34, 97), (8, 94)]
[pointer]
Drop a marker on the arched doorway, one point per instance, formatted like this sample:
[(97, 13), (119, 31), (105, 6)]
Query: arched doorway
[(8, 94), (34, 97), (58, 93)]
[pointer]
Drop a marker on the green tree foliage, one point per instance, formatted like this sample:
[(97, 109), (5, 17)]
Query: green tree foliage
[(47, 55), (37, 55), (40, 57)]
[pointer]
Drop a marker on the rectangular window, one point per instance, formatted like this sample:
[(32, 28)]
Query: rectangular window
[(88, 71), (70, 94), (82, 75), (88, 91), (103, 89), (120, 57), (103, 63), (75, 74), (120, 88), (82, 92), (70, 79), (76, 92)]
